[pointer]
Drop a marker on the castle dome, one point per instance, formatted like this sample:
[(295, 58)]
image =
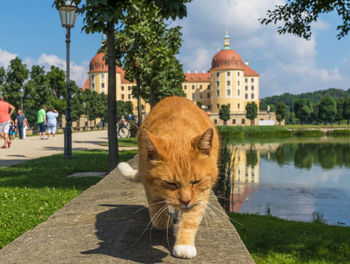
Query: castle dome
[(226, 58), (99, 64)]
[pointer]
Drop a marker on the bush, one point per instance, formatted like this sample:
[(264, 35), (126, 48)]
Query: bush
[(309, 133), (339, 133)]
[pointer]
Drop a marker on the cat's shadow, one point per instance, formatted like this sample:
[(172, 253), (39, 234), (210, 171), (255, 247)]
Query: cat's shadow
[(125, 233)]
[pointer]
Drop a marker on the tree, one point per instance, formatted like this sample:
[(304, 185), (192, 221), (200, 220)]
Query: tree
[(303, 109), (298, 15), (103, 16), (224, 113), (327, 110), (15, 77), (347, 109), (251, 112), (2, 77), (149, 49), (340, 110), (281, 112)]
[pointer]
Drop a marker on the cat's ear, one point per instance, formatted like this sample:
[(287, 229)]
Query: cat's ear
[(203, 143), (153, 145)]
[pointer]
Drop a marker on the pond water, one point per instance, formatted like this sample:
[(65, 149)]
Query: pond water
[(293, 179)]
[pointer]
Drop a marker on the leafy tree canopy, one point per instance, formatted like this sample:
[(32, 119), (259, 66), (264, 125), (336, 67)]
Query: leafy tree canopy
[(224, 113), (298, 15), (251, 111)]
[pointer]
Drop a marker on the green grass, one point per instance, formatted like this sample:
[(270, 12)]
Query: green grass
[(254, 131), (30, 192), (339, 133), (319, 126), (275, 241), (240, 132), (124, 142)]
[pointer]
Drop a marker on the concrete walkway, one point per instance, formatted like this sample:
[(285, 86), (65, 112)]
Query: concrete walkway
[(32, 147), (106, 225)]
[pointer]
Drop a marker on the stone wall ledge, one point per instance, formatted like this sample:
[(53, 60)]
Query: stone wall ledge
[(105, 224)]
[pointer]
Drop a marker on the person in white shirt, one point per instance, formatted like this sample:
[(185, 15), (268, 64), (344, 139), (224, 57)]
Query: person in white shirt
[(51, 119)]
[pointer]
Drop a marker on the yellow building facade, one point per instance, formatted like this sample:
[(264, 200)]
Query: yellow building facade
[(230, 81)]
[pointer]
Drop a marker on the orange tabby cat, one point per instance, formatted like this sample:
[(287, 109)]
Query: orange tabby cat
[(178, 152)]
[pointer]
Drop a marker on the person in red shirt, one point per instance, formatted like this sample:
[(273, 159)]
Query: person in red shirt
[(6, 111)]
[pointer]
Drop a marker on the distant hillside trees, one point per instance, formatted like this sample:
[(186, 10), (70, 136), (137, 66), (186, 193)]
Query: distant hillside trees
[(281, 112), (303, 114)]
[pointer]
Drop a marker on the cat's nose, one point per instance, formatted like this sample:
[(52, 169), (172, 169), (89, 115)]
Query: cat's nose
[(185, 202)]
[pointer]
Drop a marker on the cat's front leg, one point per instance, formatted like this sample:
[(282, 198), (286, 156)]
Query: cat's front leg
[(186, 230)]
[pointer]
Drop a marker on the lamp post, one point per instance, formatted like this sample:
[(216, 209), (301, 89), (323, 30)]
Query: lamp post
[(68, 15), (21, 95)]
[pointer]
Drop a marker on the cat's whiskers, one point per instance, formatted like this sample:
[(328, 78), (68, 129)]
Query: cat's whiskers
[(220, 211), (149, 206), (167, 233)]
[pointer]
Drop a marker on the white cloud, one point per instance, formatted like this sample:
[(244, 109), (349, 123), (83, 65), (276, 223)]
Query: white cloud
[(6, 57), (78, 73)]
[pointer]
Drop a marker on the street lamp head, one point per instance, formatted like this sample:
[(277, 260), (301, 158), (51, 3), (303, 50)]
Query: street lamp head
[(68, 14), (21, 92)]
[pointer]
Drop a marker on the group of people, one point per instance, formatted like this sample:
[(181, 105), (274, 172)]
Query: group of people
[(8, 128), (47, 120)]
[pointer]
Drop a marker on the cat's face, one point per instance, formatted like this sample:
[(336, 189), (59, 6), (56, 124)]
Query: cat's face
[(181, 174)]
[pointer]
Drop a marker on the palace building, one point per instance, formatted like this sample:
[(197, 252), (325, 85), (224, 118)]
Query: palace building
[(230, 81)]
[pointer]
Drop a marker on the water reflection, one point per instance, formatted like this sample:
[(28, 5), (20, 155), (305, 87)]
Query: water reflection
[(293, 180)]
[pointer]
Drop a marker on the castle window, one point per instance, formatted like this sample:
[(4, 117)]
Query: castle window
[(239, 92), (129, 88), (193, 96), (129, 96), (201, 95), (252, 96), (122, 88), (208, 95), (217, 92), (238, 73), (193, 87), (208, 86), (252, 80), (233, 121), (185, 87), (228, 83), (200, 87), (243, 121), (103, 75), (252, 87), (246, 96), (246, 79), (228, 92), (92, 77), (228, 73), (238, 83), (218, 106), (122, 96), (217, 83), (246, 87), (93, 86), (229, 106), (227, 63), (218, 74), (215, 121), (238, 105), (103, 85)]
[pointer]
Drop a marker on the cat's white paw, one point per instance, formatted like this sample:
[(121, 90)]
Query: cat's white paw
[(184, 251)]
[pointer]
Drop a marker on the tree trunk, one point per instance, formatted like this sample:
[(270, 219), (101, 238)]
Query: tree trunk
[(139, 105), (113, 155)]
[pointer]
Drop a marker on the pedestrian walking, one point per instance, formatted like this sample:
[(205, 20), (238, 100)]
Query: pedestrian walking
[(20, 123), (6, 111), (51, 115), (42, 122)]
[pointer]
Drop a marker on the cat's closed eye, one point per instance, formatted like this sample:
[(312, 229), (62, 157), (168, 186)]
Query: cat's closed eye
[(195, 182), (171, 185)]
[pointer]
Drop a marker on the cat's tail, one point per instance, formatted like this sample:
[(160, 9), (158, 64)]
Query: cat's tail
[(128, 172)]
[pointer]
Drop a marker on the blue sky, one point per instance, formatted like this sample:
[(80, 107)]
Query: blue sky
[(32, 31)]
